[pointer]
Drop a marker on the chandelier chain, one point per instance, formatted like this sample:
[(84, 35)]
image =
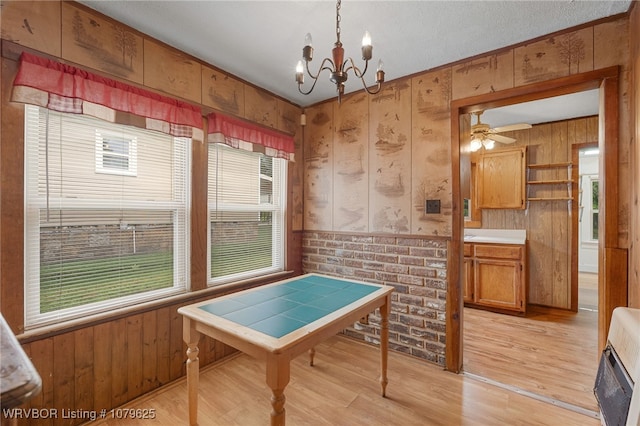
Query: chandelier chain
[(338, 18)]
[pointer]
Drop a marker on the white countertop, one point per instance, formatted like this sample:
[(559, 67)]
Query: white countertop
[(497, 236)]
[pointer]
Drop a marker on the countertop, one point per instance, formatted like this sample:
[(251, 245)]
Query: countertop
[(495, 236)]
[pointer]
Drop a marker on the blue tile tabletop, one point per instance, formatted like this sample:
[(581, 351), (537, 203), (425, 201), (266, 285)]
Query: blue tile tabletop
[(278, 310)]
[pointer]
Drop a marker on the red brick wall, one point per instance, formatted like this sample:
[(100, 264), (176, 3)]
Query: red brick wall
[(415, 267)]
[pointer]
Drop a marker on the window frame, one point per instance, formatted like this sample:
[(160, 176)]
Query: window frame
[(594, 207), (179, 209), (277, 208), (131, 155)]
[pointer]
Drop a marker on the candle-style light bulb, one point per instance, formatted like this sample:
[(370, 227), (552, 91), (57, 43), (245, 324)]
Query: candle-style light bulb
[(380, 72), (299, 73), (307, 50), (367, 49), (366, 39)]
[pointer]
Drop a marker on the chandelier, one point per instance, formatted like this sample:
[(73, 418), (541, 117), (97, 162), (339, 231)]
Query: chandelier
[(338, 66)]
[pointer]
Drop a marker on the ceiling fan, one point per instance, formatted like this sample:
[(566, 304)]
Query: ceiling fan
[(483, 135)]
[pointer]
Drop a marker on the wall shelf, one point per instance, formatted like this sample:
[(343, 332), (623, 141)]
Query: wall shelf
[(548, 165), (549, 182), (539, 182)]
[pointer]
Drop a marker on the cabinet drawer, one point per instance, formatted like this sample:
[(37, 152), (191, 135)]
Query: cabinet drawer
[(468, 250), (498, 251)]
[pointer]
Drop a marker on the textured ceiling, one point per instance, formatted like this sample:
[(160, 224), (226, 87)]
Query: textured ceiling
[(261, 41)]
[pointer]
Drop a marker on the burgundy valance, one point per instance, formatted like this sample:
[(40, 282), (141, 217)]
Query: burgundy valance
[(65, 88), (241, 134)]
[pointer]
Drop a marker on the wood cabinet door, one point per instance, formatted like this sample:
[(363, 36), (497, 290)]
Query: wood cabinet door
[(498, 283), (467, 280), (501, 179)]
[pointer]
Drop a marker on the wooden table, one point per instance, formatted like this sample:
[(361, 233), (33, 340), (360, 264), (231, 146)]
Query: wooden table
[(280, 321)]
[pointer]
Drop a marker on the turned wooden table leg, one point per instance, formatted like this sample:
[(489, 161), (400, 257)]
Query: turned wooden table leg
[(312, 353), (278, 370), (384, 343), (191, 338)]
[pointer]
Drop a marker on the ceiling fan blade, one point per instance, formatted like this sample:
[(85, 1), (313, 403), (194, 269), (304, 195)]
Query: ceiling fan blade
[(511, 128), (501, 139)]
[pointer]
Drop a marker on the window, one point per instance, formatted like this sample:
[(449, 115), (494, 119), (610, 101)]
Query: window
[(246, 213), (96, 241), (472, 216), (116, 154), (594, 209), (466, 209)]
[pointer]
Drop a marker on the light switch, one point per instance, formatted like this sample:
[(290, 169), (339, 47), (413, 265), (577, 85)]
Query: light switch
[(432, 206)]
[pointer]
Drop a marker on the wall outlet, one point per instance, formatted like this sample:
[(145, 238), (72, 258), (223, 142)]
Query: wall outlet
[(432, 206)]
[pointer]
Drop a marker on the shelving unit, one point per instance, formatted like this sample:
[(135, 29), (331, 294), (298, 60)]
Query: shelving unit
[(532, 183)]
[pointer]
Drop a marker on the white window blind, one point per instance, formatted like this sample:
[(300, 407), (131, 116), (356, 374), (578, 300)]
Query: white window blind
[(246, 200), (96, 241)]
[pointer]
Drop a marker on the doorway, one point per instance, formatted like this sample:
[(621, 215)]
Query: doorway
[(507, 350), (588, 179), (611, 280)]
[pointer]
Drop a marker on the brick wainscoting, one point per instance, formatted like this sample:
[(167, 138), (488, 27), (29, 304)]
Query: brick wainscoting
[(415, 266)]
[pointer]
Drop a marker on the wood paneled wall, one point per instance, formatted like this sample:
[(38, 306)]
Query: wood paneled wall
[(371, 162), (108, 364)]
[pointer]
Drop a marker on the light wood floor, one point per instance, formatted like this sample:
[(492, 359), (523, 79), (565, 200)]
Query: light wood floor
[(550, 353), (588, 291), (342, 389)]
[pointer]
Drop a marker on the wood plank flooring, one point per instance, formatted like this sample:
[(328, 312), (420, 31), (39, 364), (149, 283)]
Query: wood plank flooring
[(342, 389), (550, 353), (587, 291)]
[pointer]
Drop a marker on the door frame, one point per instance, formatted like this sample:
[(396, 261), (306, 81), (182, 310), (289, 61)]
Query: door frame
[(612, 259)]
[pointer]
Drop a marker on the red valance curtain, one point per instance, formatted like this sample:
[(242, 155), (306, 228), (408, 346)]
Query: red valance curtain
[(64, 88), (241, 134)]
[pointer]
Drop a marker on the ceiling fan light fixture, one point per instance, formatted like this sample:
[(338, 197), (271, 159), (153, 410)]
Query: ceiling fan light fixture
[(488, 136), (489, 143), (475, 145), (337, 66)]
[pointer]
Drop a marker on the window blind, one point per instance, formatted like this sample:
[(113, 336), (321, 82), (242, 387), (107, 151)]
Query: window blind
[(246, 213), (106, 215)]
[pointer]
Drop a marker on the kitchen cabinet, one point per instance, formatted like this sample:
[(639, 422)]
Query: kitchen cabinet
[(502, 179), (495, 277), (467, 271)]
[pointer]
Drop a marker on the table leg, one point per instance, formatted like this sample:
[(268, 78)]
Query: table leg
[(312, 353), (278, 370), (385, 310), (191, 338)]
